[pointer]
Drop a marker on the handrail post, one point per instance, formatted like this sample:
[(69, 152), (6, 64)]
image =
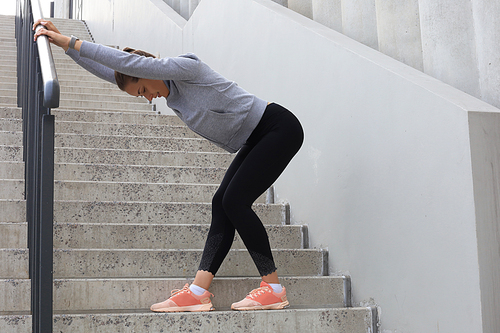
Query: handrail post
[(38, 91)]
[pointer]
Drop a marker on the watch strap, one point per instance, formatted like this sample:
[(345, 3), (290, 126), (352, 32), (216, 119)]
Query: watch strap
[(72, 42)]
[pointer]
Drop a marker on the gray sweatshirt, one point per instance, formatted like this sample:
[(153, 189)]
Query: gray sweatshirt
[(210, 105)]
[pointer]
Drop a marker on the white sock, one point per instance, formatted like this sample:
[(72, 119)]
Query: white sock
[(198, 291), (277, 288)]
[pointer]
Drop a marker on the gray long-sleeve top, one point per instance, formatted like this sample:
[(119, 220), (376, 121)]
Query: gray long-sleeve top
[(209, 104)]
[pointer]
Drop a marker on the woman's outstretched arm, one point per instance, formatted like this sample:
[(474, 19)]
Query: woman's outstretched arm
[(58, 39)]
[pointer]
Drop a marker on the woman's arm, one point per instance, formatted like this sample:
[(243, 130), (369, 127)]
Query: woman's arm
[(62, 41), (93, 67), (178, 68)]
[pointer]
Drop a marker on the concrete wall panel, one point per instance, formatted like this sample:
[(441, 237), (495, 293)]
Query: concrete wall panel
[(303, 7), (487, 29), (398, 28), (448, 40), (328, 13), (485, 147), (359, 21)]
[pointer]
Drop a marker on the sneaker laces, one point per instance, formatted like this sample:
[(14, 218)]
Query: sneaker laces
[(183, 290), (257, 292), (178, 291)]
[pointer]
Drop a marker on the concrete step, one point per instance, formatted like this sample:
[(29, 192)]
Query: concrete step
[(8, 79), (155, 236), (110, 129), (117, 100), (11, 189), (115, 96), (119, 142), (14, 153), (177, 263), (13, 211), (13, 235), (11, 138), (10, 100), (8, 67), (140, 293), (142, 236), (126, 142), (125, 173), (293, 320), (137, 212), (11, 153), (118, 263), (11, 170), (121, 173), (136, 118), (11, 125), (11, 112), (91, 104), (110, 191), (8, 85), (132, 157), (14, 263)]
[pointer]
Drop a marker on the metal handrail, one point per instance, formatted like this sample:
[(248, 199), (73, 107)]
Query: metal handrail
[(37, 92), (51, 83)]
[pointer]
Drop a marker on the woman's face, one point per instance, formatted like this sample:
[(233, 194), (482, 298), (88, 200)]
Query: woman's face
[(148, 88)]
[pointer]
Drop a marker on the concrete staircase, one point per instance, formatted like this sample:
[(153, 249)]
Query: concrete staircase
[(133, 192)]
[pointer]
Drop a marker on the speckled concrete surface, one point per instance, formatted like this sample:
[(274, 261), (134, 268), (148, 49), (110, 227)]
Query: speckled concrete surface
[(113, 191), (11, 189), (11, 170), (141, 157), (150, 212), (11, 138), (97, 263), (13, 235), (115, 129), (11, 153), (126, 142), (132, 173), (322, 320), (140, 293), (14, 263), (157, 236), (12, 210), (18, 290)]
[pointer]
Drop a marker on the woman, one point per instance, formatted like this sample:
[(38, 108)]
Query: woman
[(265, 135)]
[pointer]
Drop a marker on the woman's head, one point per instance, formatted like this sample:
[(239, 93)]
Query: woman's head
[(141, 87), (122, 79)]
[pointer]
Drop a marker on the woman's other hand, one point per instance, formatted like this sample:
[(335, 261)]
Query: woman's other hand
[(52, 33)]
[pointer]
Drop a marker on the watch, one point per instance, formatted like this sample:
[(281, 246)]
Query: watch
[(72, 42)]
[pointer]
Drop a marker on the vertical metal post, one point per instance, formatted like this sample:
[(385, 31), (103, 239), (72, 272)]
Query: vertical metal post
[(45, 246), (38, 146)]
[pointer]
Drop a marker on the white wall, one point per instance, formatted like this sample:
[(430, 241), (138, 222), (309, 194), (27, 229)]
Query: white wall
[(385, 179)]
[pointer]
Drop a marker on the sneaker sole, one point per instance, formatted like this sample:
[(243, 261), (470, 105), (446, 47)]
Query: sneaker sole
[(275, 306), (190, 308)]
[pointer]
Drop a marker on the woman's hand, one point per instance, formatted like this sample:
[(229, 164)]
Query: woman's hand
[(52, 33)]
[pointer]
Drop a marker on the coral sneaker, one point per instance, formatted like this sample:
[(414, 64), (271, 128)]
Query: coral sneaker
[(262, 298), (184, 300)]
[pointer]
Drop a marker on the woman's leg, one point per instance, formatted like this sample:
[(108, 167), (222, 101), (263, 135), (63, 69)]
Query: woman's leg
[(274, 143), (259, 163)]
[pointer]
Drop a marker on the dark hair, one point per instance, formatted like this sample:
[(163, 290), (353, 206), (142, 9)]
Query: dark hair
[(122, 79)]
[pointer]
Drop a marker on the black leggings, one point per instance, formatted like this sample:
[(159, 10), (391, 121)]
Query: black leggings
[(267, 152)]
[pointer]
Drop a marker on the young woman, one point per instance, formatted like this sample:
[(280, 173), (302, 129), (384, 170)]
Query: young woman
[(265, 135)]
